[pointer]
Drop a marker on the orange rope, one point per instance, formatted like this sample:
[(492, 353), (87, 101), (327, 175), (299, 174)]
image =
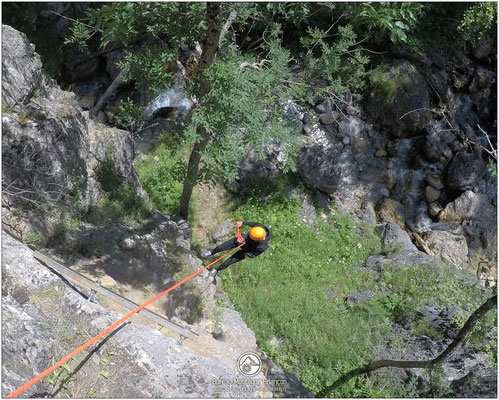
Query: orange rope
[(51, 369)]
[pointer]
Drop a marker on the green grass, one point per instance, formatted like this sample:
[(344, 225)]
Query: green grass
[(162, 172), (284, 292)]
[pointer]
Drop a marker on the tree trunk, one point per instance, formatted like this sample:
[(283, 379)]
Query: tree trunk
[(209, 50)]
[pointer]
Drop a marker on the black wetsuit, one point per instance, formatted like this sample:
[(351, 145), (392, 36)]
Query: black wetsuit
[(251, 248)]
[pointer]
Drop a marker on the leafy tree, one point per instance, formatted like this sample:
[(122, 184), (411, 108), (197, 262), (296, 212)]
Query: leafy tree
[(479, 21), (236, 106)]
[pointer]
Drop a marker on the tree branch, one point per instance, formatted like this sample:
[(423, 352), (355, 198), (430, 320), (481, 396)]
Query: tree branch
[(460, 338), (108, 93), (228, 23)]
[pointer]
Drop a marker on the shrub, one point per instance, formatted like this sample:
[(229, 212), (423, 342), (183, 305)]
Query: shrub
[(479, 22)]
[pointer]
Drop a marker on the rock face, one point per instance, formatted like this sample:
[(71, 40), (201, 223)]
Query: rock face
[(45, 318), (318, 169), (52, 151), (21, 67)]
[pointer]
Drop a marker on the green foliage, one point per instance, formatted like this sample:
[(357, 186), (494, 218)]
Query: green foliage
[(7, 109), (341, 62), (129, 116), (80, 34), (385, 87), (161, 173), (120, 199), (145, 68), (387, 19), (23, 118), (479, 22), (241, 111), (492, 167), (34, 238), (296, 291)]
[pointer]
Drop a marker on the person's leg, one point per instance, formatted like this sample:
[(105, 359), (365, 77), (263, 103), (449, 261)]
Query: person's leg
[(229, 244), (236, 257)]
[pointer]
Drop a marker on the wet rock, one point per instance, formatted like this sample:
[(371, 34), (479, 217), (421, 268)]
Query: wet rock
[(435, 180), (350, 110), (318, 168), (381, 153), (328, 118), (346, 140), (448, 246), (464, 171), (434, 208), (411, 54), (390, 210), (483, 78), (438, 80), (324, 107)]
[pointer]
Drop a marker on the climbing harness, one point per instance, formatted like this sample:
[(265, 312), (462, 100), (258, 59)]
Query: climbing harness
[(109, 329)]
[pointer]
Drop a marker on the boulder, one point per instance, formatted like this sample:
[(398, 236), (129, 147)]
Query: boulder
[(464, 171), (410, 93), (390, 210), (431, 194), (483, 78), (394, 236), (222, 230), (360, 297), (351, 126), (318, 167), (328, 118), (448, 246), (483, 48), (468, 206)]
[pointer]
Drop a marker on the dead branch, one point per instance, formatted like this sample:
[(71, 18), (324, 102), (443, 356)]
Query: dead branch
[(420, 240), (254, 65), (228, 23), (108, 93)]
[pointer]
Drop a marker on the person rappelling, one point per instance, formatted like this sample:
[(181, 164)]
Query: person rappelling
[(256, 241)]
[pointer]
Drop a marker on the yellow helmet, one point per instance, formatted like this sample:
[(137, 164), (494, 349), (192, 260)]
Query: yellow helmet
[(257, 233)]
